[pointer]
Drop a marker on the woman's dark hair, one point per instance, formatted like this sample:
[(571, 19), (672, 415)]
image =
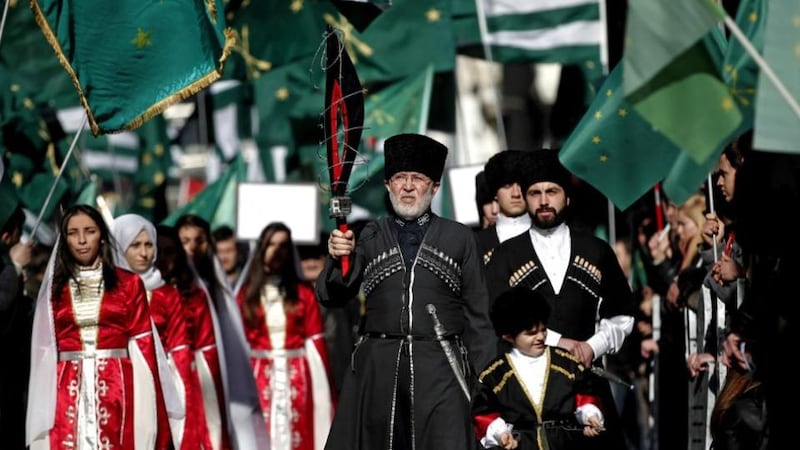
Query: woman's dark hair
[(172, 261), (256, 276), (66, 265)]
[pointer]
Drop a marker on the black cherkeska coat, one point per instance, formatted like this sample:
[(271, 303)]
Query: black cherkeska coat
[(389, 374)]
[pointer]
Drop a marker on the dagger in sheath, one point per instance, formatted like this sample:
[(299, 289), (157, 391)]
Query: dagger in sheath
[(449, 353)]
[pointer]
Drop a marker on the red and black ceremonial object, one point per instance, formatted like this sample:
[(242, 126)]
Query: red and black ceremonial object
[(343, 120)]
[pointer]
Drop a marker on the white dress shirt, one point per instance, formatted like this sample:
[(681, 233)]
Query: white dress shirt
[(554, 249), (508, 227)]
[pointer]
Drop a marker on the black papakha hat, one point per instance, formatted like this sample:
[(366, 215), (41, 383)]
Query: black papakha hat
[(414, 153), (518, 309), (503, 168), (544, 165), (483, 194)]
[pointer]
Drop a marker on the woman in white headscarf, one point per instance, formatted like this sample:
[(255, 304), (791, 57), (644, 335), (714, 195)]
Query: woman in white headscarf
[(136, 251)]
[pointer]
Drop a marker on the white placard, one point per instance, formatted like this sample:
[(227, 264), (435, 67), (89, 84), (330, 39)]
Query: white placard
[(462, 189), (296, 205)]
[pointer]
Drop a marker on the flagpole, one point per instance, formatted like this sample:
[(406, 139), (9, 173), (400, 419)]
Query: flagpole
[(712, 210), (762, 64), (58, 176), (487, 51), (3, 20)]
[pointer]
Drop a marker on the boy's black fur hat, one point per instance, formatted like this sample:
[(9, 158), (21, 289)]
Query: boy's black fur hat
[(414, 153), (518, 309)]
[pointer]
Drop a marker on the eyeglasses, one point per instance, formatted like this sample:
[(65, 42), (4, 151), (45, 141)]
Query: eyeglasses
[(417, 180)]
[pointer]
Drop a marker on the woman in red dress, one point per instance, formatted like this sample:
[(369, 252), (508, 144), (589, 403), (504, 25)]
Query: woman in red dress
[(94, 377), (136, 251), (283, 326), (200, 323)]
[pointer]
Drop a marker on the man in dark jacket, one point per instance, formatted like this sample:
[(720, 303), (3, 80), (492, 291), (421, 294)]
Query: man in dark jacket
[(16, 317), (426, 324), (592, 303)]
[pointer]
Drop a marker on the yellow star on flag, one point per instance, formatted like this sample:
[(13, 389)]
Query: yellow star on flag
[(596, 140), (622, 112), (433, 15), (282, 94), (296, 6), (609, 93), (603, 158), (142, 39), (598, 115)]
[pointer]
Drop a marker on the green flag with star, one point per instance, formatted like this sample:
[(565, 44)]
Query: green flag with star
[(27, 55), (614, 149), (672, 75), (154, 164), (740, 74), (130, 59), (777, 126), (274, 33), (401, 41)]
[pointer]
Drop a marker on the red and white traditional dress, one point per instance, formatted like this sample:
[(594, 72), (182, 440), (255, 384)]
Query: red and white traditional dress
[(169, 317), (210, 400), (290, 365), (106, 380)]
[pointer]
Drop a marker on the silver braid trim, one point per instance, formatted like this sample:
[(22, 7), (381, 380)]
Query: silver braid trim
[(444, 267), (382, 267)]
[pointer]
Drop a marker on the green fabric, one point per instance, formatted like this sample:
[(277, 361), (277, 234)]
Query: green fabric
[(740, 74), (614, 149), (27, 55), (564, 32), (273, 33), (672, 76), (154, 164), (404, 40), (777, 126), (217, 202), (657, 32), (130, 59)]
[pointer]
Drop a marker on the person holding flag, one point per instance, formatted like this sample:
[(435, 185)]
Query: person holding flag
[(426, 324)]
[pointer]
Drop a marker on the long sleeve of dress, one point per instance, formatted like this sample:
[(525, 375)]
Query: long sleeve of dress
[(142, 336)]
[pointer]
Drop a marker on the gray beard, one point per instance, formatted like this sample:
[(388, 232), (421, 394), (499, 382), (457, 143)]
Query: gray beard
[(411, 212)]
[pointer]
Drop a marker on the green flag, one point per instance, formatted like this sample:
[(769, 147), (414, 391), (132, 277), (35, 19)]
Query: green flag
[(739, 70), (401, 41), (282, 95), (130, 59), (777, 127), (88, 194), (740, 73), (217, 202), (616, 150), (27, 56), (672, 76), (154, 164), (273, 33), (563, 31)]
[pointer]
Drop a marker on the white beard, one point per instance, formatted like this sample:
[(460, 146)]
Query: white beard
[(411, 212)]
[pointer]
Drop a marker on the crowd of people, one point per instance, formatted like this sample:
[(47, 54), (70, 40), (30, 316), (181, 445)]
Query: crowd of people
[(527, 332)]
